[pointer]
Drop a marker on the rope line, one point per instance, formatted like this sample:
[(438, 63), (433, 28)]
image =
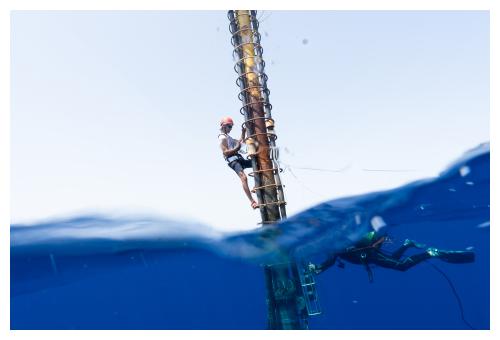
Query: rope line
[(453, 289)]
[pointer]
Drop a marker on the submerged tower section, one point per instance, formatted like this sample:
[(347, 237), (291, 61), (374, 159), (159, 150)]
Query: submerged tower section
[(287, 298)]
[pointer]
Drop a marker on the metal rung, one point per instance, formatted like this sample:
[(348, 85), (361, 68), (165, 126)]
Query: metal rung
[(252, 120), (272, 203), (267, 186), (266, 170), (268, 134)]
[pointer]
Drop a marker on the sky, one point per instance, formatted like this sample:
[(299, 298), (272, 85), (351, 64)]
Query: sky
[(118, 112)]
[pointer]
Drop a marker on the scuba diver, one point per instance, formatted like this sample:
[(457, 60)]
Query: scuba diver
[(367, 251)]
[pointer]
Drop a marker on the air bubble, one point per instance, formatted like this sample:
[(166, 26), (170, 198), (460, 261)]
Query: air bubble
[(484, 224), (377, 223), (464, 170), (357, 219)]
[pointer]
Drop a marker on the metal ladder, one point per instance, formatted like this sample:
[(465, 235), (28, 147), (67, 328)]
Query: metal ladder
[(309, 289)]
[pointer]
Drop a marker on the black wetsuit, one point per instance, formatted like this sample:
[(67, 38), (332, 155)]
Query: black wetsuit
[(368, 251)]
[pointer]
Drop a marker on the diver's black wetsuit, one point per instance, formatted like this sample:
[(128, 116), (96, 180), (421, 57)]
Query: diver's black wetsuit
[(374, 255), (368, 251)]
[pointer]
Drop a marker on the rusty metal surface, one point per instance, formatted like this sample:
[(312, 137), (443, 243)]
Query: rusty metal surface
[(285, 310)]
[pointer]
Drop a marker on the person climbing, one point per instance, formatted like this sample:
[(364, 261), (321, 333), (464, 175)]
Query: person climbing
[(231, 152), (368, 251)]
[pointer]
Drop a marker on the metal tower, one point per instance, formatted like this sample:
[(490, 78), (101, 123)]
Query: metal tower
[(291, 296)]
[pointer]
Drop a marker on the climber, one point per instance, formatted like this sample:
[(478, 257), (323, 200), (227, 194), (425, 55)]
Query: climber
[(231, 152)]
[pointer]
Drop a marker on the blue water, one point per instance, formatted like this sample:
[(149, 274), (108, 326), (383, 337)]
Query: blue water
[(142, 272)]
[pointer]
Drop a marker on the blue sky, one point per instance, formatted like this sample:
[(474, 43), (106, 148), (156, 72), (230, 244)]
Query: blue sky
[(119, 111)]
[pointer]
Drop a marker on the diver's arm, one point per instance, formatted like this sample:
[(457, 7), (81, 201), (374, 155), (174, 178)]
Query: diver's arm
[(330, 261)]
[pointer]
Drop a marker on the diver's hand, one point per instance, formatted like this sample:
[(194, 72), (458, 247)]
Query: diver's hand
[(237, 147), (313, 268)]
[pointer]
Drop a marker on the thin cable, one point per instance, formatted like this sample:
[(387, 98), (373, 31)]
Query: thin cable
[(318, 169), (389, 170), (347, 167), (460, 305), (267, 17), (261, 14), (452, 286), (301, 183)]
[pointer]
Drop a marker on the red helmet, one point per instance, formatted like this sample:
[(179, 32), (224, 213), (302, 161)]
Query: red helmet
[(226, 121)]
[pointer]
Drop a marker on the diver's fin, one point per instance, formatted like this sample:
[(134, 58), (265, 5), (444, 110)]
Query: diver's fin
[(453, 256), (457, 256)]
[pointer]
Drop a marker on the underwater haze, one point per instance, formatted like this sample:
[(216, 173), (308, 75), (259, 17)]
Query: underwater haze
[(108, 272)]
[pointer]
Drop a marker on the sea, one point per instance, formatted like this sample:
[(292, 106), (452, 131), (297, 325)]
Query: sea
[(144, 272)]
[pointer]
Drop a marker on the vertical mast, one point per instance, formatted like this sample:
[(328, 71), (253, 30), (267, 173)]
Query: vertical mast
[(285, 301)]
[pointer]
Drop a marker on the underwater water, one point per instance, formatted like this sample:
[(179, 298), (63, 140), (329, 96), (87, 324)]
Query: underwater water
[(103, 272)]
